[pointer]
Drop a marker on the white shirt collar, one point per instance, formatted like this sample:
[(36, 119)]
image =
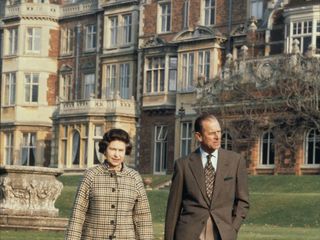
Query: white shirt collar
[(214, 158)]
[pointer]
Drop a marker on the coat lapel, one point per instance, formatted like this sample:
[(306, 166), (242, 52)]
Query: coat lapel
[(222, 168), (196, 167)]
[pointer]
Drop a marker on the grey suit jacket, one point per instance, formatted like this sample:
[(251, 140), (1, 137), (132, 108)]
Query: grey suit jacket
[(189, 207)]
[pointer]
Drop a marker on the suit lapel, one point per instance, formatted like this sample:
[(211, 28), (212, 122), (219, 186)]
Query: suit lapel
[(196, 167), (222, 168)]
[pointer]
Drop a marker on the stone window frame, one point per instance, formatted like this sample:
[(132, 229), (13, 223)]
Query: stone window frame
[(226, 140), (314, 141), (185, 139), (8, 148), (114, 80), (160, 140), (267, 156), (207, 11), (164, 16), (9, 88), (67, 41), (32, 87), (256, 9), (33, 40), (90, 37)]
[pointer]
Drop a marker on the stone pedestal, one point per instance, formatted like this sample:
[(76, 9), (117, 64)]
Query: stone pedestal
[(28, 194)]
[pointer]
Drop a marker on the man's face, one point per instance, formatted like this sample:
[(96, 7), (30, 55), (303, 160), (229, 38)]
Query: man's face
[(115, 153), (210, 137)]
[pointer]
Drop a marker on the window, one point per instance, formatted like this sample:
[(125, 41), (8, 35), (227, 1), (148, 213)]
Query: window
[(160, 149), (13, 41), (313, 147), (155, 80), (302, 31), (64, 145), (10, 89), (173, 63), (226, 140), (31, 87), (91, 37), (89, 86), (76, 148), (98, 133), (9, 149), (186, 14), (67, 41), (124, 80), (307, 32), (209, 12), (204, 64), (113, 31), (120, 30), (187, 71), (165, 17), (111, 80), (67, 87), (267, 153), (256, 9), (127, 29), (28, 157), (33, 39), (185, 139)]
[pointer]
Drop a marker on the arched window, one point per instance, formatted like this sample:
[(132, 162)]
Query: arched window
[(76, 148), (313, 147), (226, 140), (267, 149)]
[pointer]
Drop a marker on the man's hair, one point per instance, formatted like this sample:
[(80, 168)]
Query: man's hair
[(112, 135), (200, 119)]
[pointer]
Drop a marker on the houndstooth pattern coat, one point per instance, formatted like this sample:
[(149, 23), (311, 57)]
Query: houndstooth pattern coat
[(110, 206)]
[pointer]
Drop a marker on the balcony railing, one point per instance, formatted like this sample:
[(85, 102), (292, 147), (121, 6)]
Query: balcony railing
[(98, 106), (32, 10), (79, 8)]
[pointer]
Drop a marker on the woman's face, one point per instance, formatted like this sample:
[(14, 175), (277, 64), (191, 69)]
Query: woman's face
[(115, 153)]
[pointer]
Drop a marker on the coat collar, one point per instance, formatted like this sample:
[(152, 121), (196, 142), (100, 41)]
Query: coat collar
[(196, 167)]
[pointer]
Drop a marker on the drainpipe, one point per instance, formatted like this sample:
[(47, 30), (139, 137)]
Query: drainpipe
[(78, 31), (229, 26)]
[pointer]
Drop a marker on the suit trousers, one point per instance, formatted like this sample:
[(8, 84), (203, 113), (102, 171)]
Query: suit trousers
[(210, 231)]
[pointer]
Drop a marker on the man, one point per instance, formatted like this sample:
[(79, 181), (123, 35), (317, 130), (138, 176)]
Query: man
[(209, 197)]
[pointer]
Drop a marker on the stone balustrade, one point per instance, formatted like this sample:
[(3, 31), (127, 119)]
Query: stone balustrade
[(79, 8), (98, 106), (33, 10)]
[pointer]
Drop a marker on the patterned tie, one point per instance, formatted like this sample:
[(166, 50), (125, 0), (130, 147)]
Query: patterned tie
[(209, 174)]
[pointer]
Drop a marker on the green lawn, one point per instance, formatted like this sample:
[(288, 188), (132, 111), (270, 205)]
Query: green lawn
[(282, 208)]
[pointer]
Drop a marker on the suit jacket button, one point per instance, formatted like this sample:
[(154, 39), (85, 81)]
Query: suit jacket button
[(111, 222)]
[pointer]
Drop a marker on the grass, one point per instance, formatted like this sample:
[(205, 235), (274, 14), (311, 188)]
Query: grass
[(282, 208)]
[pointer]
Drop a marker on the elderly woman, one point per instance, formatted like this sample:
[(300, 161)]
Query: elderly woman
[(111, 202)]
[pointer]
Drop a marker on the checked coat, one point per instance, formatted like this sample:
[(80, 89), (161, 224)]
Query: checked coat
[(110, 205), (189, 207)]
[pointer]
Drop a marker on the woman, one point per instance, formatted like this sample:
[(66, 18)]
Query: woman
[(111, 202)]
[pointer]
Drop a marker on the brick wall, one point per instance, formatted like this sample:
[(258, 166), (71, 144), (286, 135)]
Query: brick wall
[(54, 41), (52, 89)]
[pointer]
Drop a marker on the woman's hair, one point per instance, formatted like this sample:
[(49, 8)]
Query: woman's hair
[(112, 135)]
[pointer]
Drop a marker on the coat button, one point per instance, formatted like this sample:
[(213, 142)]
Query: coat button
[(113, 189), (112, 222), (113, 206)]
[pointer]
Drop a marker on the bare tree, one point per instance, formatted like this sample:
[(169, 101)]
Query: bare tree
[(279, 93)]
